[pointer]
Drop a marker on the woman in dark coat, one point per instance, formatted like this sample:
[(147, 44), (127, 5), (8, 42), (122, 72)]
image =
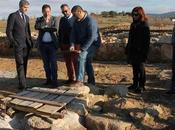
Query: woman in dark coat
[(137, 48)]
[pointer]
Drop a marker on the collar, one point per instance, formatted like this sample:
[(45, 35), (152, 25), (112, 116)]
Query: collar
[(20, 12), (70, 16)]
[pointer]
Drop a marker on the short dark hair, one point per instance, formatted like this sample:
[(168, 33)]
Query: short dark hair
[(23, 2), (45, 6), (76, 7), (63, 5)]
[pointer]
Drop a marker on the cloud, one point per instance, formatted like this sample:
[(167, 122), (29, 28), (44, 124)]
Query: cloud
[(150, 6)]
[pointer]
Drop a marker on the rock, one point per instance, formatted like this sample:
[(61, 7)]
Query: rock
[(165, 75), (97, 108), (155, 110), (152, 112), (165, 39), (137, 115), (119, 90), (4, 123), (36, 122), (154, 40), (94, 89), (94, 99), (78, 108), (125, 41), (166, 51), (82, 90), (148, 119), (71, 121), (101, 123), (114, 104)]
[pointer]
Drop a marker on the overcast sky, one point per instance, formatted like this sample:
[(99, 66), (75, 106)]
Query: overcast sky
[(150, 6)]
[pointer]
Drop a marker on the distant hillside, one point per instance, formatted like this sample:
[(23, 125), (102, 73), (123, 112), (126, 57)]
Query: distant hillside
[(168, 14)]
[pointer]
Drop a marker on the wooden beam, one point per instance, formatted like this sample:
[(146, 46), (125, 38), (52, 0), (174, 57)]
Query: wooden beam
[(6, 92), (31, 110), (53, 103), (54, 92)]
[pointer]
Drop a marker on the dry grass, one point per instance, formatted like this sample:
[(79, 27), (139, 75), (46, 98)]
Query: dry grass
[(116, 21)]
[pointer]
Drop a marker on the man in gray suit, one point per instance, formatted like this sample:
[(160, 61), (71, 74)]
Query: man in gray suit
[(19, 35)]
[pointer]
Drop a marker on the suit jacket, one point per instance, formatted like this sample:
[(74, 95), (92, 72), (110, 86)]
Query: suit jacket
[(18, 30), (50, 27)]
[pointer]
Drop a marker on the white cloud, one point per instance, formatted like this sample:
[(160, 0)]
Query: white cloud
[(153, 6)]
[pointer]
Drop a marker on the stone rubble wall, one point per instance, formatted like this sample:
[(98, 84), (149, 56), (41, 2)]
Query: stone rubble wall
[(113, 47)]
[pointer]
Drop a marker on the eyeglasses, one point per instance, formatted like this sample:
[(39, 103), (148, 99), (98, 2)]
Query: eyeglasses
[(135, 14)]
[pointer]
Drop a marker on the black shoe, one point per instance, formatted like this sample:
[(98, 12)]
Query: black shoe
[(170, 92), (54, 85), (132, 87), (21, 88), (47, 83), (69, 81), (138, 90)]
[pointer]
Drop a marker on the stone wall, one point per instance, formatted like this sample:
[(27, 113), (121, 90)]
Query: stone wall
[(113, 47)]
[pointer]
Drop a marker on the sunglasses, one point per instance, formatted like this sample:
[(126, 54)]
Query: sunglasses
[(135, 14), (65, 11)]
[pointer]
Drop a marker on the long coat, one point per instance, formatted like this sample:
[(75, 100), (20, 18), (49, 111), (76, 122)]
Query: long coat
[(138, 43)]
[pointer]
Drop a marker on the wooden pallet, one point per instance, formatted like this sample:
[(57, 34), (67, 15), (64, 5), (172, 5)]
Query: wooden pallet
[(42, 101)]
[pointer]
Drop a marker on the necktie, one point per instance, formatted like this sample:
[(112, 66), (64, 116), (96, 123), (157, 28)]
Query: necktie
[(23, 17)]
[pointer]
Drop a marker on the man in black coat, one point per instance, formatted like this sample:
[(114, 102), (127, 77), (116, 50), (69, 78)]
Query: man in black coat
[(19, 35), (48, 44)]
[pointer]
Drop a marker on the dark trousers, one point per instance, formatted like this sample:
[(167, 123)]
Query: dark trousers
[(21, 58), (173, 70), (139, 77), (49, 57), (70, 59)]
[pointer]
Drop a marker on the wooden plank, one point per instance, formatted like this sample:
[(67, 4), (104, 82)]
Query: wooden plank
[(45, 89), (63, 100), (58, 92), (48, 97), (36, 100), (36, 95), (36, 105), (31, 110), (23, 93), (18, 101), (49, 109), (6, 92)]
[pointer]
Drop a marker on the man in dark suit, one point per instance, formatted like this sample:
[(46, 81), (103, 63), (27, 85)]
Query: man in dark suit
[(65, 27), (19, 35), (48, 43)]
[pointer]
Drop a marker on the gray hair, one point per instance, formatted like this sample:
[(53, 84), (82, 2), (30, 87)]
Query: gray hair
[(23, 2)]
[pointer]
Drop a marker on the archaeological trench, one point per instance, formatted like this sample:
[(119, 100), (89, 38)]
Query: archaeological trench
[(88, 107)]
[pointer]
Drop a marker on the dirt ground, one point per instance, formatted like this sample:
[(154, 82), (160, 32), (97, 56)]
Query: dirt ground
[(108, 75)]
